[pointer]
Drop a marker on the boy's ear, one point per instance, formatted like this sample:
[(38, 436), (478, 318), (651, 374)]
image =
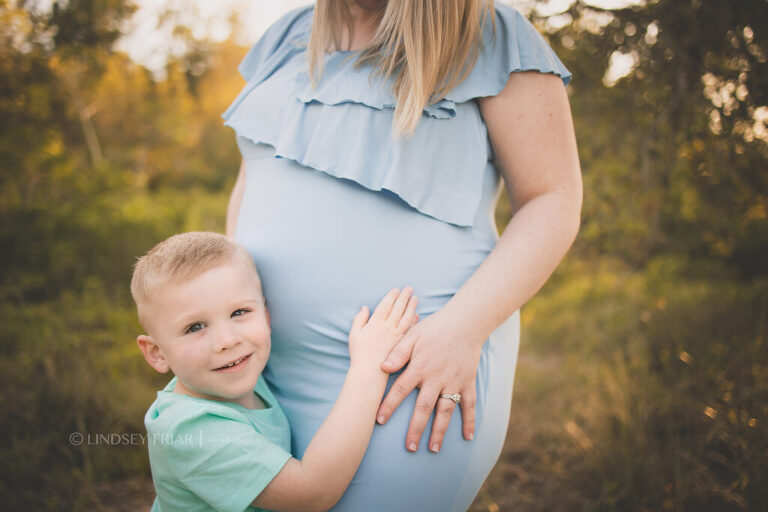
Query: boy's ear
[(269, 320), (152, 353)]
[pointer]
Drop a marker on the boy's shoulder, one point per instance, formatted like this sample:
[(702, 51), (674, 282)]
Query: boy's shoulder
[(172, 410), (217, 452)]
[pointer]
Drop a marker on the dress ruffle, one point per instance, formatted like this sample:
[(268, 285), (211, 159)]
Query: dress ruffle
[(343, 82), (343, 126)]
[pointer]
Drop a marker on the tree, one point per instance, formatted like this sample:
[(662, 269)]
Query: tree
[(683, 135)]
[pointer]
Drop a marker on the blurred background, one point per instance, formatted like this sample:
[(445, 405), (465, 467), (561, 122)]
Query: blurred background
[(643, 375)]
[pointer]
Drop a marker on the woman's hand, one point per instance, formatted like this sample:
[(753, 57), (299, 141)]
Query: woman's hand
[(440, 362)]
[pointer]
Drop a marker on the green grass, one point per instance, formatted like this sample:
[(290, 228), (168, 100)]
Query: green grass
[(638, 391)]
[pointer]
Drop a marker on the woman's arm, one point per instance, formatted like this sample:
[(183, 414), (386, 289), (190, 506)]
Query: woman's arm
[(531, 131), (317, 481), (233, 208)]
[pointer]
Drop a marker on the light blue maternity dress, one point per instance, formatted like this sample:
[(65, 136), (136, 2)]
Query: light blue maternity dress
[(336, 212)]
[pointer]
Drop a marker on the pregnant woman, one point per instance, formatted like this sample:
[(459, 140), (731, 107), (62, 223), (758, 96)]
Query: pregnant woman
[(375, 139)]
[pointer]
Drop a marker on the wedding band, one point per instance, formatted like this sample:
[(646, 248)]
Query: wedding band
[(456, 397)]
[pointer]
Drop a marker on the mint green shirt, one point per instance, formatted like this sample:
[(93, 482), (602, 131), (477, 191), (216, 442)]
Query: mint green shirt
[(209, 455)]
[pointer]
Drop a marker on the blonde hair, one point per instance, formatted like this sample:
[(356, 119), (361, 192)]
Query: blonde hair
[(427, 46), (182, 257)]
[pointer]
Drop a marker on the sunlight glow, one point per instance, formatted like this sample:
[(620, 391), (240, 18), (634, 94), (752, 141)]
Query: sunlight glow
[(150, 40), (621, 65)]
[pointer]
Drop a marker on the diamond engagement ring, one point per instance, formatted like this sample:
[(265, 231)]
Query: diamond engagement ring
[(456, 397)]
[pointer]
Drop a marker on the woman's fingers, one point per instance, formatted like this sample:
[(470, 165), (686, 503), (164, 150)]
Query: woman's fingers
[(425, 402), (402, 386), (468, 402), (400, 305), (443, 412)]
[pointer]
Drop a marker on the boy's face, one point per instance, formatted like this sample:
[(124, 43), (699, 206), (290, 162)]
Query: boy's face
[(200, 327)]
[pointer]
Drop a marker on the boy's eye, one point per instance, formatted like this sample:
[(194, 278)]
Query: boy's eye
[(197, 326), (239, 312)]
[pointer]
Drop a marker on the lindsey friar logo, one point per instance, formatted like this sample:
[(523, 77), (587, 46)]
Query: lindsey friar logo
[(132, 439)]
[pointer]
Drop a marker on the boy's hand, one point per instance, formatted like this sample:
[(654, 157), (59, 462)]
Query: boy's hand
[(371, 340)]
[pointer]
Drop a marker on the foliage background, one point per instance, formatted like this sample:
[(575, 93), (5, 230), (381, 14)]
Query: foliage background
[(642, 382)]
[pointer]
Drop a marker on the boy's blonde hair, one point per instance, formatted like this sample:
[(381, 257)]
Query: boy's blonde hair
[(182, 257)]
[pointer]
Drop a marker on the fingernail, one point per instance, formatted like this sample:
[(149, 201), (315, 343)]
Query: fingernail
[(388, 363), (471, 436), (435, 448), (412, 447), (381, 419)]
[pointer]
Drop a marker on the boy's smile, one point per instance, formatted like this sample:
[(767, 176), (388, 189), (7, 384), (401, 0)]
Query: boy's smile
[(235, 365), (213, 331)]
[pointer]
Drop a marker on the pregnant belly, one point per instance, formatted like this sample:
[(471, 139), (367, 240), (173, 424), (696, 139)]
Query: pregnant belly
[(326, 246)]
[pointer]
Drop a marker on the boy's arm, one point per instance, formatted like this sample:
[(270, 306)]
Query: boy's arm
[(318, 480), (330, 461)]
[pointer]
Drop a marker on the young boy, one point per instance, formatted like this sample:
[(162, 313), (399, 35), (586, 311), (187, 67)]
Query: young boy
[(217, 437)]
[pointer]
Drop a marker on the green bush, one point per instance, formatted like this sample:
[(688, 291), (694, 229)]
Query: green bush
[(639, 391)]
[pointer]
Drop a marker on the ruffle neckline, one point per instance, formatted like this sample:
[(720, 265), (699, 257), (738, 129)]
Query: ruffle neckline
[(343, 82), (438, 171)]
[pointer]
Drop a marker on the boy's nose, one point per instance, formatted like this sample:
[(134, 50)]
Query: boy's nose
[(225, 339)]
